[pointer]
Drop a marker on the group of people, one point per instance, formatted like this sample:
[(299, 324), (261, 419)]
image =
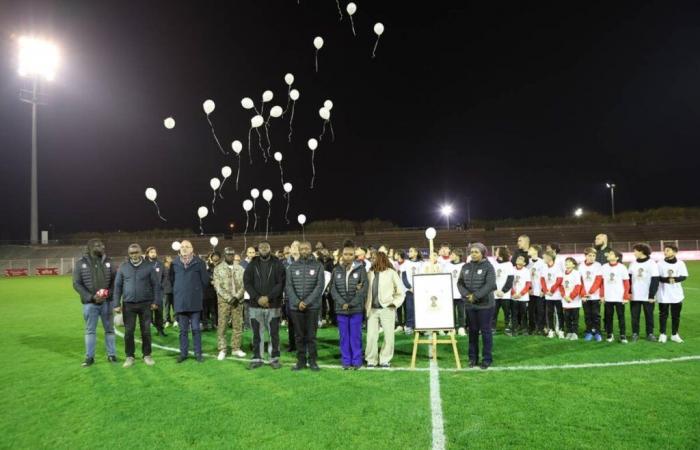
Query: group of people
[(539, 291)]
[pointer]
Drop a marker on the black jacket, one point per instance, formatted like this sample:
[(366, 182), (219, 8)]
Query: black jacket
[(138, 284), (82, 278), (478, 279), (356, 292), (305, 281), (188, 284), (270, 284)]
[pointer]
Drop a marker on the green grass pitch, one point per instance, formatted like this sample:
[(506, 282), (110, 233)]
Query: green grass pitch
[(48, 401)]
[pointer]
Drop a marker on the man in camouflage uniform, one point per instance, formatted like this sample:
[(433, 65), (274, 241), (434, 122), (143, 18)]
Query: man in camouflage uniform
[(228, 281)]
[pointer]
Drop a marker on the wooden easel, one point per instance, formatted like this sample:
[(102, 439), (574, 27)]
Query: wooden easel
[(434, 342)]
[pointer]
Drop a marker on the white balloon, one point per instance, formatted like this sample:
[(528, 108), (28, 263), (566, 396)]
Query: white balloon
[(287, 187), (169, 123), (175, 246), (328, 105), (301, 219), (318, 42), (276, 111), (254, 193), (351, 8), (278, 156), (267, 195), (151, 194), (289, 79), (208, 106), (226, 171), (256, 121), (324, 113), (237, 147), (378, 28), (313, 144), (247, 103), (214, 183), (267, 96), (214, 241), (430, 233), (247, 205), (202, 212), (294, 94)]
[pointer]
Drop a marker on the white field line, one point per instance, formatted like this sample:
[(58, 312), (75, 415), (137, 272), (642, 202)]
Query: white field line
[(436, 407), (491, 369)]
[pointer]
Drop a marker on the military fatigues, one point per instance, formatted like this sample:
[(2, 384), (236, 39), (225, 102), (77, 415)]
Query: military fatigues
[(228, 281)]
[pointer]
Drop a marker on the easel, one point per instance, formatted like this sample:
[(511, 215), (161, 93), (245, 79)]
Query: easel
[(434, 342)]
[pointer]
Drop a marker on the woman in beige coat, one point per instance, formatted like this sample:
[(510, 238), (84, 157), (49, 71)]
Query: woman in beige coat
[(386, 293)]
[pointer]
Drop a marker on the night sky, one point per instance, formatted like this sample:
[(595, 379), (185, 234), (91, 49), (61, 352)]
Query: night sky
[(526, 108)]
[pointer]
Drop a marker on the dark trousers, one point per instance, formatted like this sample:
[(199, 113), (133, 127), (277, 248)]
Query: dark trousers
[(460, 312), (410, 310), (157, 318), (636, 311), (167, 307), (551, 307), (571, 320), (143, 312), (480, 323), (328, 309), (504, 304), (290, 328), (591, 314), (401, 315), (535, 313), (518, 315), (188, 320), (305, 326), (675, 316), (210, 312), (262, 320), (610, 309)]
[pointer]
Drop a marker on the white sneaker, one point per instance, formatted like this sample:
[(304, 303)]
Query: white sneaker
[(284, 323), (222, 355), (239, 353), (149, 361), (167, 325), (175, 324), (677, 338), (381, 330), (610, 338), (442, 333), (574, 337), (462, 331), (129, 362), (662, 338), (550, 335), (398, 328), (560, 334)]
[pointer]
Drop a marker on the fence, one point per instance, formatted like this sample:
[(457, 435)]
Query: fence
[(64, 265)]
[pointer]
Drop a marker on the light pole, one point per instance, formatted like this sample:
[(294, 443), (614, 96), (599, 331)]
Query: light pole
[(611, 186), (578, 212), (446, 211), (37, 58)]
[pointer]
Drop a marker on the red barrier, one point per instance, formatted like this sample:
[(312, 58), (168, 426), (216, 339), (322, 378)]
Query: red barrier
[(16, 272), (47, 270)]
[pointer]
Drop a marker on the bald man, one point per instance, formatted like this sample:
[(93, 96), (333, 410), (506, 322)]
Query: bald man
[(602, 248)]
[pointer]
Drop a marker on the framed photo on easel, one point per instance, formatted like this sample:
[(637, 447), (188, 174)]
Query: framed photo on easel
[(433, 299)]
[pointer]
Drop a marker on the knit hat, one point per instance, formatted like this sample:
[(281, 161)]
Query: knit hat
[(479, 246)]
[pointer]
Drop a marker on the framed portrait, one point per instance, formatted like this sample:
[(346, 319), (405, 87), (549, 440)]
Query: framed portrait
[(433, 300)]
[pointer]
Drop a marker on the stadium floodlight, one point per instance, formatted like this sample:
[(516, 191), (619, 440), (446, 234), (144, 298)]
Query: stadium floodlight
[(447, 210), (37, 59), (611, 186), (578, 212)]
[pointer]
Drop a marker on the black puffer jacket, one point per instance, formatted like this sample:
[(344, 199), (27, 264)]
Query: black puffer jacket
[(82, 278), (305, 281), (478, 278), (354, 294)]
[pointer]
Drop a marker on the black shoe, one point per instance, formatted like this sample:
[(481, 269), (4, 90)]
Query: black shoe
[(485, 365), (298, 366), (254, 365), (651, 338), (181, 359), (473, 363), (88, 362), (200, 358), (275, 364), (508, 332), (313, 366), (291, 349), (356, 367), (635, 337), (162, 333), (384, 366), (346, 367), (112, 358)]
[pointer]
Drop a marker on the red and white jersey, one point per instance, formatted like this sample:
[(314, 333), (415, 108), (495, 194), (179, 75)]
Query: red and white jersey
[(641, 274), (616, 282), (591, 279), (551, 279), (571, 287), (503, 271), (521, 284), (671, 293), (536, 273), (445, 264), (454, 270), (411, 268)]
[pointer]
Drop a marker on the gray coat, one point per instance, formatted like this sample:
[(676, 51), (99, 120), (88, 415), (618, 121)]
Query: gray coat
[(305, 281), (188, 284), (354, 292), (138, 284)]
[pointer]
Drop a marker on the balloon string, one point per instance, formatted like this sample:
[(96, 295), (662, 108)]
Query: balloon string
[(353, 26), (255, 215), (289, 89), (375, 47), (201, 230), (262, 149), (214, 133), (323, 130), (267, 224), (238, 172), (281, 175), (250, 154), (286, 213), (330, 124), (313, 168), (158, 211), (221, 187), (245, 239), (212, 203), (340, 11), (303, 233), (262, 108), (267, 135), (316, 58), (291, 118)]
